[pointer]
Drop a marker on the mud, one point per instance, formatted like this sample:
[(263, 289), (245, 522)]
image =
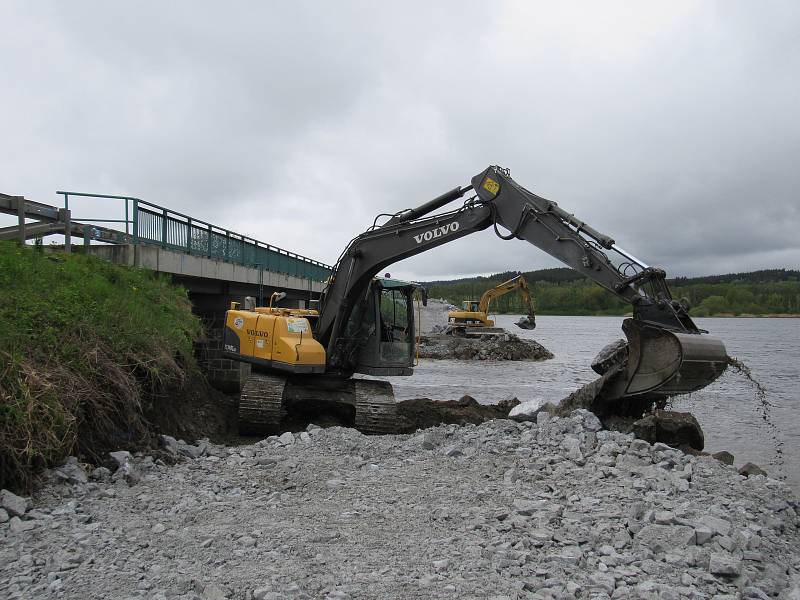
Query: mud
[(419, 413), (422, 413)]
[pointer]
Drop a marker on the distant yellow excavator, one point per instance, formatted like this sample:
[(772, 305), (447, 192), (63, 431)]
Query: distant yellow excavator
[(476, 313)]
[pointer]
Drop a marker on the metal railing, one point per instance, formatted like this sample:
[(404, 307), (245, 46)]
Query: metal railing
[(149, 223)]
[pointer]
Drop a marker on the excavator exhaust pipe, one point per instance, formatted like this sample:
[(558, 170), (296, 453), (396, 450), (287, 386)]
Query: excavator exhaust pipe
[(670, 363)]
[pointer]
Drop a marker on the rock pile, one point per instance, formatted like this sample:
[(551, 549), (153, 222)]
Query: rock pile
[(548, 509), (506, 346)]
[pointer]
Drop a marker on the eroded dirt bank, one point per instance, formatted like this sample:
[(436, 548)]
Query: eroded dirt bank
[(549, 509)]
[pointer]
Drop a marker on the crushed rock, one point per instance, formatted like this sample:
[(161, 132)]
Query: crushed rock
[(546, 509)]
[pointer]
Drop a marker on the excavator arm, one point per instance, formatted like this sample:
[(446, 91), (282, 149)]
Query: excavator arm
[(666, 351), (544, 224)]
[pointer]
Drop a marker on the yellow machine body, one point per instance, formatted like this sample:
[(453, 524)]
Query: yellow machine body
[(278, 338), (470, 315)]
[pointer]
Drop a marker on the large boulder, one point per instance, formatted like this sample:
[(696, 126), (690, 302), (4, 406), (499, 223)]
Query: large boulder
[(677, 429), (71, 472), (751, 469), (610, 356), (14, 505), (527, 410)]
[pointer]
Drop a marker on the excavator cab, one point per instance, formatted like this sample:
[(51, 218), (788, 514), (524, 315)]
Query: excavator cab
[(387, 335)]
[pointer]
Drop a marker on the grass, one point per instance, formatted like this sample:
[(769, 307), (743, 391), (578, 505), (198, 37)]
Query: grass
[(87, 350)]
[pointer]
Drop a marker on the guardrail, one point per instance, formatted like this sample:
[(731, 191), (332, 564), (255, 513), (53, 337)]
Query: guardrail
[(149, 223)]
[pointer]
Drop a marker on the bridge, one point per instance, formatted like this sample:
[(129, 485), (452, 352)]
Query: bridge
[(214, 264)]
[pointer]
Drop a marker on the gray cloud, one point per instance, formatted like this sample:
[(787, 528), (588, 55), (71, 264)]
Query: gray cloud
[(672, 127)]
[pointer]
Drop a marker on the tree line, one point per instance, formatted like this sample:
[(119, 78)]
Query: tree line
[(566, 292)]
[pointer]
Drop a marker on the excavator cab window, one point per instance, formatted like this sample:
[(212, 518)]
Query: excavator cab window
[(394, 342), (383, 327)]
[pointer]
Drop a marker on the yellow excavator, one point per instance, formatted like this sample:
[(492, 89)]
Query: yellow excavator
[(366, 325), (475, 313)]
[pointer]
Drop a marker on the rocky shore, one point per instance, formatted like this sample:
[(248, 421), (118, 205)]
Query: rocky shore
[(556, 508)]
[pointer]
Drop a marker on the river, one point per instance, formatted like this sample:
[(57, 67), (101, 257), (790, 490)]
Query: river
[(729, 410)]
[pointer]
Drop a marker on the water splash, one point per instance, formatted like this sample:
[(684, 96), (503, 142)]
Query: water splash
[(765, 409)]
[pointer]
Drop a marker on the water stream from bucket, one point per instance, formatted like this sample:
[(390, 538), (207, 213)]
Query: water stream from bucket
[(764, 409)]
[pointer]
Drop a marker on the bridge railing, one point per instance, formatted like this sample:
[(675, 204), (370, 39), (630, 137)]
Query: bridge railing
[(156, 225)]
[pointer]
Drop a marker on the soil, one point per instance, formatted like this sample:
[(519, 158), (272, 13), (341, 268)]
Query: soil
[(419, 413), (197, 411), (422, 413)]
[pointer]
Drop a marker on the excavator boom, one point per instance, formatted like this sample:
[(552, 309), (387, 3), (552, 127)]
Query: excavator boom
[(678, 365)]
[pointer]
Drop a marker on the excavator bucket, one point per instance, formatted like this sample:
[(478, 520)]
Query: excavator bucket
[(528, 322), (670, 363)]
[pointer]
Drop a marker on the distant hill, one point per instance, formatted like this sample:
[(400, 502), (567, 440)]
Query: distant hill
[(763, 276), (562, 274), (562, 291)]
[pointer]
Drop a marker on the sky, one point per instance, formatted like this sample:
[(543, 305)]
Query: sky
[(673, 127)]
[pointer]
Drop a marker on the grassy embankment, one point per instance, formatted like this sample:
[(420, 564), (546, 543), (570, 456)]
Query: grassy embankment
[(88, 350), (565, 292)]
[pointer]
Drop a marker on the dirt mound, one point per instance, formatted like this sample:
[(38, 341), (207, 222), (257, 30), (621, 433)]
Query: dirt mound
[(422, 413)]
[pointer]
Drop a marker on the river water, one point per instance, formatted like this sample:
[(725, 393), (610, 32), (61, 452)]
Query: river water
[(729, 410)]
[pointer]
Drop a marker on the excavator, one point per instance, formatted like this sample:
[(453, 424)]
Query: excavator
[(365, 325), (475, 313)]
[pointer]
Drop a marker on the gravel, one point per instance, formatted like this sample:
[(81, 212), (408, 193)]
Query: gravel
[(553, 509)]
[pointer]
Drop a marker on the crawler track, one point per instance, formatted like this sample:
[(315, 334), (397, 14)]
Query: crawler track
[(376, 411), (261, 404)]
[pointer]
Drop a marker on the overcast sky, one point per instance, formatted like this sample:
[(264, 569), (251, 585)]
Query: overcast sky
[(674, 127)]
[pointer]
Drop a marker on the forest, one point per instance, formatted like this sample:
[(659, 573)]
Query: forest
[(562, 291)]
